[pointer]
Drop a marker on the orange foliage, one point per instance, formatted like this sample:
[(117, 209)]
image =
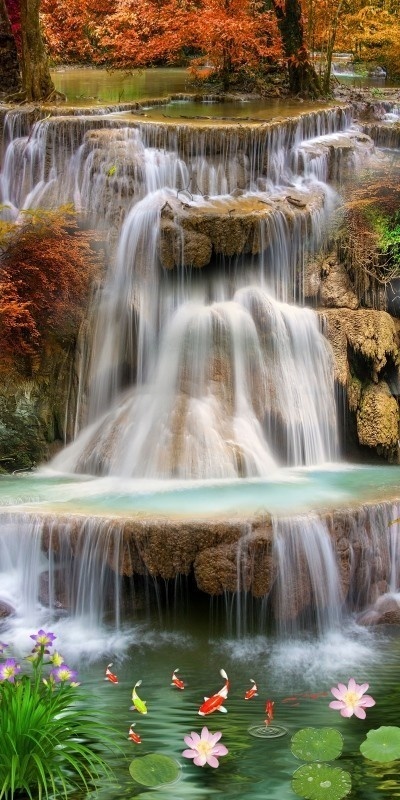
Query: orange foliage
[(46, 270), (234, 33), (367, 28), (69, 29), (139, 33)]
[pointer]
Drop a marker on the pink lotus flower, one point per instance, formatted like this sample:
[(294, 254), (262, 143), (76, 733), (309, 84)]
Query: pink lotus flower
[(204, 748), (351, 699)]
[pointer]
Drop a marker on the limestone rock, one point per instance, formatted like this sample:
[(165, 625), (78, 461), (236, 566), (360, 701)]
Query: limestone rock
[(386, 611), (5, 609), (364, 331), (378, 417), (191, 233), (336, 289)]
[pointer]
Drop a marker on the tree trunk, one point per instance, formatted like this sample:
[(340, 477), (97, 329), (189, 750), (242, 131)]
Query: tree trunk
[(36, 79), (302, 76), (10, 77)]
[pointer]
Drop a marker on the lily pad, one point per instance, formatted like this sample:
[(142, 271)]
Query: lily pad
[(154, 770), (317, 744), (321, 782), (382, 744)]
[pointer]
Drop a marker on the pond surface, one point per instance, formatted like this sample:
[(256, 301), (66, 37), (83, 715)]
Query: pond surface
[(297, 675), (90, 85)]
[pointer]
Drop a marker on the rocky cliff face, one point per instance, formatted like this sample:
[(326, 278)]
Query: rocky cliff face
[(37, 413)]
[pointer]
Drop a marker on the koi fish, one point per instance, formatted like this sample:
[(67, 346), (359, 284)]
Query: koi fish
[(269, 710), (109, 676), (294, 701), (138, 704), (215, 703), (134, 737), (177, 681), (252, 692)]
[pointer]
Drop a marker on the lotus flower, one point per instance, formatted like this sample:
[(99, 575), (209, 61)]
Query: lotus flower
[(204, 748), (351, 699)]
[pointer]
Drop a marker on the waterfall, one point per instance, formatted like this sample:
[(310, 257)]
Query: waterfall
[(307, 576), (48, 568), (212, 373)]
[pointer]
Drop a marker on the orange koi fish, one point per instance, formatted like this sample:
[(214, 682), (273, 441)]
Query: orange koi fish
[(269, 710), (252, 692), (315, 695), (215, 703), (177, 681), (110, 675), (134, 737)]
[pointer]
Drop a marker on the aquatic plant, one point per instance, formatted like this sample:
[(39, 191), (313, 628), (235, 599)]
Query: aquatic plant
[(382, 744), (50, 737), (154, 770), (204, 748), (351, 699), (321, 781), (318, 781), (317, 744)]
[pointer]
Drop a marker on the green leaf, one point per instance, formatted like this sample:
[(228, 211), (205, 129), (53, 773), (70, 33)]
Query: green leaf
[(321, 782), (317, 744), (154, 770), (382, 744)]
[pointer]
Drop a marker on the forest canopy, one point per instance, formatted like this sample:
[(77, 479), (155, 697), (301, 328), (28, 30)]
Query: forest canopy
[(133, 33)]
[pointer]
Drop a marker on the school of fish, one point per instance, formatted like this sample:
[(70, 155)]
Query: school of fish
[(213, 703)]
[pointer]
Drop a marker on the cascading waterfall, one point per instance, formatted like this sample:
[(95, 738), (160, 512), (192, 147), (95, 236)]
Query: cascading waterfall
[(188, 375), (307, 576)]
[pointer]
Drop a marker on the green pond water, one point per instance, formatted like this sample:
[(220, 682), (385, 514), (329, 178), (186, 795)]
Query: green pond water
[(104, 86), (296, 675)]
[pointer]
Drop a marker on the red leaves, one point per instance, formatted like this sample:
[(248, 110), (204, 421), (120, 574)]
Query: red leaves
[(129, 33), (45, 275)]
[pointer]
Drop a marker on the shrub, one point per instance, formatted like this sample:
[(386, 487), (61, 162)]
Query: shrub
[(50, 738)]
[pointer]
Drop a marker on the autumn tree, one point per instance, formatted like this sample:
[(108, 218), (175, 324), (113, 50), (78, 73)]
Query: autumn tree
[(74, 30), (236, 35), (303, 78), (46, 269), (36, 80), (138, 33), (323, 17), (372, 33), (10, 77)]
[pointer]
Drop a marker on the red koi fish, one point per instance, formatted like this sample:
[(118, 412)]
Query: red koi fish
[(252, 692), (215, 703), (269, 710), (110, 675), (134, 737), (177, 681)]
